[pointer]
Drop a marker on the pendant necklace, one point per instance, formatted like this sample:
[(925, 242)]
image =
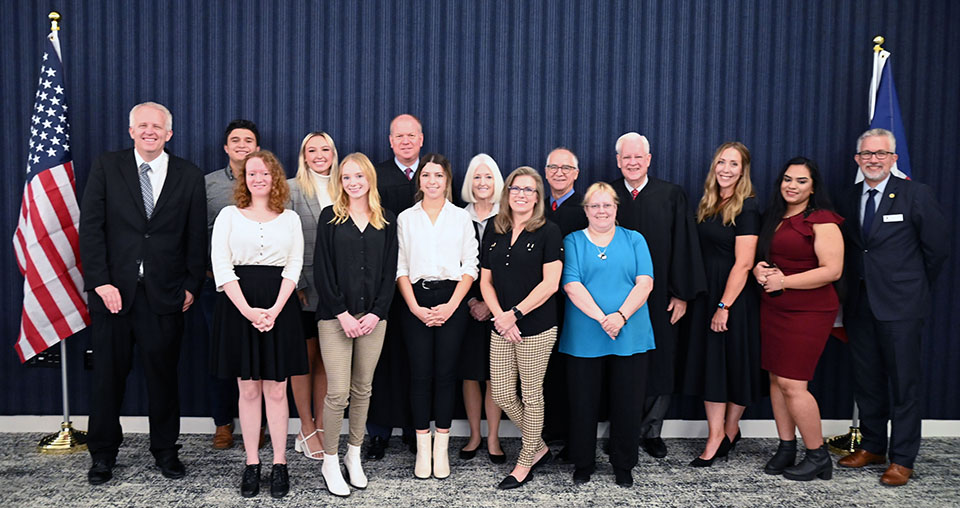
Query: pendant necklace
[(602, 254)]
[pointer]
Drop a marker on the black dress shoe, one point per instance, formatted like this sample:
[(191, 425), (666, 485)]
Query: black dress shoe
[(546, 459), (655, 447), (250, 483), (172, 468), (581, 475), (785, 457), (623, 477), (376, 447), (510, 482), (100, 472), (279, 481), (468, 454), (722, 452)]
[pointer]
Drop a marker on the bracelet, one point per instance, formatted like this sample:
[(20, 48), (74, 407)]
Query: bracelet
[(621, 315)]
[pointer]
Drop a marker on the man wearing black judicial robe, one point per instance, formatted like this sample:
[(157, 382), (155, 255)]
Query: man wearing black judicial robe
[(564, 207), (390, 400), (658, 210)]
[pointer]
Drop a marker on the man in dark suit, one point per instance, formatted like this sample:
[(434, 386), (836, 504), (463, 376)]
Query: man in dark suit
[(658, 210), (895, 248), (565, 208), (143, 243), (390, 402)]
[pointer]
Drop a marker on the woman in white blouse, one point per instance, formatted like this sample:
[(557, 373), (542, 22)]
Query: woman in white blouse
[(257, 255), (482, 186), (309, 194), (436, 267)]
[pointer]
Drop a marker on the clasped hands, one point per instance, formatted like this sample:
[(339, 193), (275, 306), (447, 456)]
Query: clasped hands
[(436, 315), (506, 326), (612, 324), (262, 319), (354, 327), (768, 276)]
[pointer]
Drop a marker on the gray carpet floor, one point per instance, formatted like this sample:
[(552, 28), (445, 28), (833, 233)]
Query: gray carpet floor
[(30, 479)]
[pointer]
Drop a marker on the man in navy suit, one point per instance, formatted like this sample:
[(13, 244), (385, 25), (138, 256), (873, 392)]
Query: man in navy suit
[(895, 248), (143, 243)]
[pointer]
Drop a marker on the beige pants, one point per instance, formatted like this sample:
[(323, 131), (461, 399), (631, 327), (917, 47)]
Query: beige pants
[(528, 360), (350, 364)]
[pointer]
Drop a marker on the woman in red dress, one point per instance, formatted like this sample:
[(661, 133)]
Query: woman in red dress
[(800, 253)]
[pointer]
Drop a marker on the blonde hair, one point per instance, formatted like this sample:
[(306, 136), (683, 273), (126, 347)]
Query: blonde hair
[(600, 187), (711, 204), (504, 220), (481, 159), (341, 200), (303, 177)]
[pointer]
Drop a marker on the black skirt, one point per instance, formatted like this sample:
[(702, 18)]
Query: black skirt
[(238, 350)]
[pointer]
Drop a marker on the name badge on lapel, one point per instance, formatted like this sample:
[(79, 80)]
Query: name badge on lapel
[(894, 217)]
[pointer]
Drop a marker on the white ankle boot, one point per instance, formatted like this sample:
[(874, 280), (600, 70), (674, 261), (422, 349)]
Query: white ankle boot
[(441, 461), (422, 468), (354, 470), (332, 476)]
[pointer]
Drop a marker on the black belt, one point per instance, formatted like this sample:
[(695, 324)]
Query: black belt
[(436, 284)]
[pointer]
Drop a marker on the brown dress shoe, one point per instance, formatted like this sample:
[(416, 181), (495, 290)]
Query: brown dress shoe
[(861, 458), (896, 475), (223, 437)]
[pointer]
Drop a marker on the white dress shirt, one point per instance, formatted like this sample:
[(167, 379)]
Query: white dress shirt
[(482, 221), (238, 241), (646, 180), (157, 173), (446, 250), (876, 201)]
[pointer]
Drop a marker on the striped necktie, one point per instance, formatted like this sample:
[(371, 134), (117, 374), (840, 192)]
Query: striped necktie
[(146, 188)]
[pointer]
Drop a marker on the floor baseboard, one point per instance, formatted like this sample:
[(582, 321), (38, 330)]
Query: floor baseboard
[(671, 428)]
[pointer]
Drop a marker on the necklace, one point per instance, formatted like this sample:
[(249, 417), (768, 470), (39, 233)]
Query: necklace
[(601, 253)]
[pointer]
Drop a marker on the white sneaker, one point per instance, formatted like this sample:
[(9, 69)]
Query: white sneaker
[(354, 469), (333, 477)]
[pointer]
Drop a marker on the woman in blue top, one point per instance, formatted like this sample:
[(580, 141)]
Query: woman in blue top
[(607, 276)]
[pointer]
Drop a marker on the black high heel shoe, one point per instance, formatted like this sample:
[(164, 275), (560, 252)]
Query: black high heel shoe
[(735, 440), (722, 451)]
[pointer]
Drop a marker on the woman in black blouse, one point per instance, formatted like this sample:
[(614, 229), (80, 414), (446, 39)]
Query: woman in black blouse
[(355, 265), (520, 272)]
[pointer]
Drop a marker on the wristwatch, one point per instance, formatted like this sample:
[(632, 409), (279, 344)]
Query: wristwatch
[(517, 313), (722, 305)]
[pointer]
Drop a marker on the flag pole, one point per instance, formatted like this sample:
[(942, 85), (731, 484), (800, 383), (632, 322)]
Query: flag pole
[(848, 443), (68, 440)]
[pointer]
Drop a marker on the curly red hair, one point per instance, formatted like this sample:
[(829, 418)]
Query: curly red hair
[(279, 190)]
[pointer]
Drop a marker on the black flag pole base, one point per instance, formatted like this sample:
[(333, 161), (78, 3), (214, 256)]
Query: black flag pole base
[(845, 444), (68, 440)]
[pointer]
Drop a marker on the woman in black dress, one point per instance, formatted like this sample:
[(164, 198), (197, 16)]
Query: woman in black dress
[(723, 355), (482, 186)]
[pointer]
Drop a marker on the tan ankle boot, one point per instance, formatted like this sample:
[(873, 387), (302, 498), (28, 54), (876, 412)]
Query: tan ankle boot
[(441, 461), (422, 468)]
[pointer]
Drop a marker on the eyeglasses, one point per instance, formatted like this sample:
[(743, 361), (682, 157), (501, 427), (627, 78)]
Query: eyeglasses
[(527, 191), (593, 207), (553, 168), (880, 155)]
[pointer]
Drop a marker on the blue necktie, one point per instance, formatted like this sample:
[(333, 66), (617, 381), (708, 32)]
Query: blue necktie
[(146, 188), (869, 211)]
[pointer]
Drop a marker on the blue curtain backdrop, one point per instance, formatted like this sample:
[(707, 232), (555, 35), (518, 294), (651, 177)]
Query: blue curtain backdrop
[(509, 78)]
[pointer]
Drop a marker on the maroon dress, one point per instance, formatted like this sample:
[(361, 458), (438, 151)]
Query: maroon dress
[(795, 326)]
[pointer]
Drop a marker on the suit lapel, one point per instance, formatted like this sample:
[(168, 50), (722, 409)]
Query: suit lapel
[(169, 184), (130, 176), (886, 202), (314, 206)]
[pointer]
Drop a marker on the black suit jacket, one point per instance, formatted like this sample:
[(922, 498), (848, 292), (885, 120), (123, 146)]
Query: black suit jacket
[(396, 192), (902, 255), (115, 235)]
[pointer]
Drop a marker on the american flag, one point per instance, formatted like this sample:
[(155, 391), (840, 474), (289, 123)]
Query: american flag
[(46, 241)]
